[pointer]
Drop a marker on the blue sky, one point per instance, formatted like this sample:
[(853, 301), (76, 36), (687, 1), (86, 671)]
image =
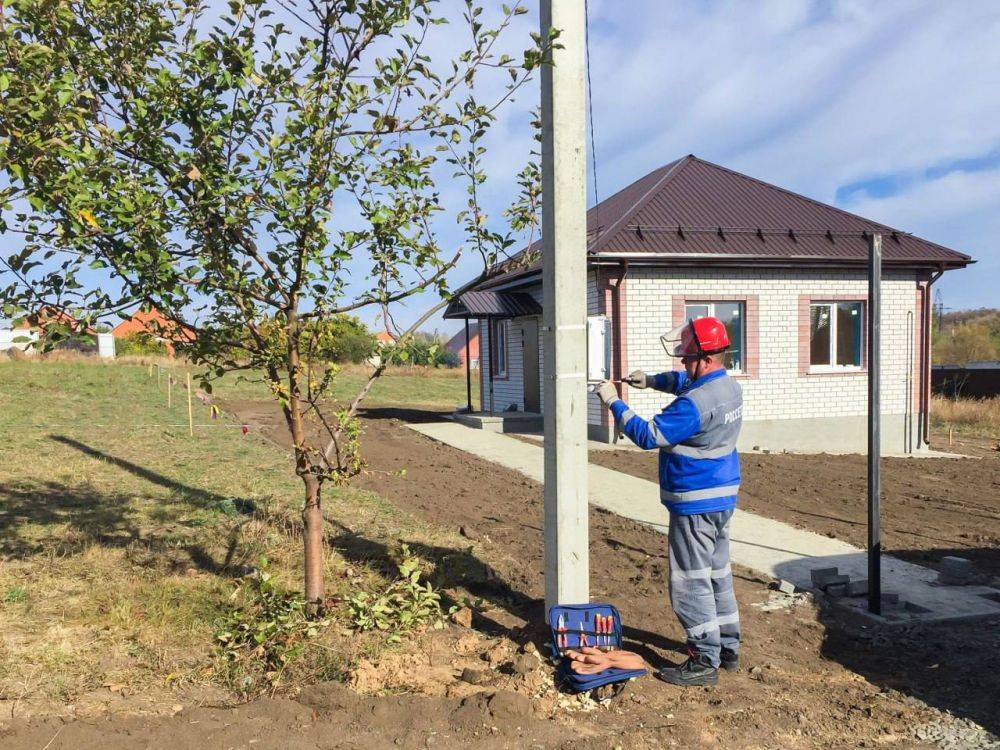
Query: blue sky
[(887, 109)]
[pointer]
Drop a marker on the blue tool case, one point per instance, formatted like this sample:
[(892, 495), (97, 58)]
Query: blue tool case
[(576, 625)]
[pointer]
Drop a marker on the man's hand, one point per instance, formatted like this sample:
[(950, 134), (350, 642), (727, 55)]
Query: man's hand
[(638, 379), (607, 392)]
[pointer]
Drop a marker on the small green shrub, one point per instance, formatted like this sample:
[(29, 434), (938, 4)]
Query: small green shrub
[(265, 632), (15, 595), (404, 606), (139, 344)]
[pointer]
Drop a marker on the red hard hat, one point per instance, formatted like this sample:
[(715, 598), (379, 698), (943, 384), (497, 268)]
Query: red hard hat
[(696, 337)]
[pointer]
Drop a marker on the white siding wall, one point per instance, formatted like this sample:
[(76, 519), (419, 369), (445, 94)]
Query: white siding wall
[(508, 389), (594, 307), (779, 392)]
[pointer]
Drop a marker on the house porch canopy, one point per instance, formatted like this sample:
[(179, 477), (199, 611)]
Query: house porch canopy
[(486, 304)]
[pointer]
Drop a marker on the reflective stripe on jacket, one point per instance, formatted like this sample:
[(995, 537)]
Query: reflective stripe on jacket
[(696, 434)]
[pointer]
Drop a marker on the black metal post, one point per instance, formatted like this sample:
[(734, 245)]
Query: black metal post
[(492, 329), (874, 445), (468, 368)]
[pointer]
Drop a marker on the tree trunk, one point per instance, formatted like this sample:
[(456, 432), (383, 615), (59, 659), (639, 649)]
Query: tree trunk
[(312, 511), (312, 540)]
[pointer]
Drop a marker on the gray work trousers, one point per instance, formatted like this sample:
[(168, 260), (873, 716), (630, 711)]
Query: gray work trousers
[(701, 583)]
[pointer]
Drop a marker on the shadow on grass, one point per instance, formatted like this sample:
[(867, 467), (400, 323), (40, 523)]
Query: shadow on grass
[(193, 495), (53, 518), (460, 568)]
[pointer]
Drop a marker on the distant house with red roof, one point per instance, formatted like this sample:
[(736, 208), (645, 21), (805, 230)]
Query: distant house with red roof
[(384, 338), (154, 323), (457, 344), (32, 327)]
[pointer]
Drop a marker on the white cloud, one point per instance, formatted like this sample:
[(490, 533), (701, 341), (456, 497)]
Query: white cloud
[(960, 210)]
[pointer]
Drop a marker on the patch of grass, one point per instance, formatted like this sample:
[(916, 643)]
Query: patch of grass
[(976, 417), (15, 595), (429, 387), (123, 536)]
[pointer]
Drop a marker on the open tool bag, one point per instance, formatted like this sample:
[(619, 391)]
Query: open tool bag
[(598, 625)]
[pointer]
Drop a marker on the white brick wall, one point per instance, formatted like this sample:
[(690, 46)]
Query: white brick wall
[(779, 391)]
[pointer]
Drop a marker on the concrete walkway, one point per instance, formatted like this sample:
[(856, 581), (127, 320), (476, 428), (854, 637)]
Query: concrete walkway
[(769, 547)]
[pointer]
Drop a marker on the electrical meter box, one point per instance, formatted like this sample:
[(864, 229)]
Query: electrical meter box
[(598, 347)]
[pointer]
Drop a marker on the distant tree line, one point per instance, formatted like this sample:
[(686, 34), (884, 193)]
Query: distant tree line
[(428, 349), (967, 336)]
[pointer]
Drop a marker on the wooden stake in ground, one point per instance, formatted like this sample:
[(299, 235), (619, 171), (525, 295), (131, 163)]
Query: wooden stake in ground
[(170, 390), (157, 376), (190, 411)]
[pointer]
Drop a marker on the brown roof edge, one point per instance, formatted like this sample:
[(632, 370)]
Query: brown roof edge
[(715, 259), (672, 169)]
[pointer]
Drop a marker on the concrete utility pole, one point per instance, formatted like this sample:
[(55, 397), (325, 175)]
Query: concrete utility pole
[(564, 291)]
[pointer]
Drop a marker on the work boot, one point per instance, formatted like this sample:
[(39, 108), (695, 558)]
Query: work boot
[(696, 671), (730, 660)]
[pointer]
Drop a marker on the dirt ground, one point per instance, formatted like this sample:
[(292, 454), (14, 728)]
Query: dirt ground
[(808, 679), (931, 507)]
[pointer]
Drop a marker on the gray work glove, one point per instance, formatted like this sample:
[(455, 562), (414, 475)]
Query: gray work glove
[(607, 392), (638, 379)]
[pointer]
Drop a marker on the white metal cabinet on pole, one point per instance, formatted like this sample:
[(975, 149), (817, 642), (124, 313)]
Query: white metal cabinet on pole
[(564, 292)]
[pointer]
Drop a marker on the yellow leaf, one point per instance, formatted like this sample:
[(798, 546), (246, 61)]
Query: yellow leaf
[(88, 216), (194, 174)]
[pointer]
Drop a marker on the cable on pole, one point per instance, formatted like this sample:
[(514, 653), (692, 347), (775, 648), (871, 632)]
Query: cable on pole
[(590, 108)]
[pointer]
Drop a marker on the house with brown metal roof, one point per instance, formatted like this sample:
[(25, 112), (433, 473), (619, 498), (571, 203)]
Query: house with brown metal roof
[(788, 276)]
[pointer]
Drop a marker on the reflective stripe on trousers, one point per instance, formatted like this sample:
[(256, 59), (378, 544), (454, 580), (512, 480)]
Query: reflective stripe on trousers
[(701, 582)]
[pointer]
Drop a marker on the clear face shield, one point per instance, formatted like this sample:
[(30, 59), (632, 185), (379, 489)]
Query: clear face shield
[(681, 341)]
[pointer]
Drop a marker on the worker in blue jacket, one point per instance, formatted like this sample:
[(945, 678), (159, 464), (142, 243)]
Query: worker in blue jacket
[(699, 475)]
